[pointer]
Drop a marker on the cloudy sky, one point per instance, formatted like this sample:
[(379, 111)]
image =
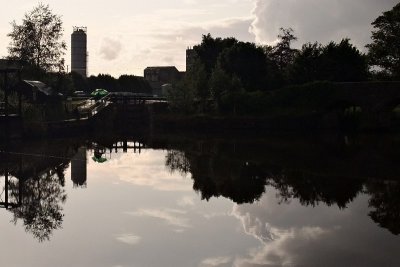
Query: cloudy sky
[(125, 36)]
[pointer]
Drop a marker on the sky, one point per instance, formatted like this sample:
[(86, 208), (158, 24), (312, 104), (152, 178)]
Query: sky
[(126, 36)]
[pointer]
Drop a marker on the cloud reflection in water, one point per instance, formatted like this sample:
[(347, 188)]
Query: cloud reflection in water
[(129, 239), (149, 171), (296, 235), (170, 216)]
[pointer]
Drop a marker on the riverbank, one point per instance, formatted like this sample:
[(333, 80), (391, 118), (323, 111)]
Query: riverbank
[(157, 118), (313, 122)]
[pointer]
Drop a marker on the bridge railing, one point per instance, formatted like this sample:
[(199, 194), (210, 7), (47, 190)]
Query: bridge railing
[(92, 106), (135, 99)]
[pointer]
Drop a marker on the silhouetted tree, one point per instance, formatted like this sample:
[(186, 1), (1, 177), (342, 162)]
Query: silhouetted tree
[(37, 41), (247, 62), (60, 81), (282, 53), (181, 97), (209, 50), (133, 84), (104, 81), (233, 97), (343, 62), (384, 51), (197, 81), (80, 83), (220, 83), (339, 62), (306, 65)]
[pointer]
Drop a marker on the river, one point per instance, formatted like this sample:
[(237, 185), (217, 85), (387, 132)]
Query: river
[(189, 200)]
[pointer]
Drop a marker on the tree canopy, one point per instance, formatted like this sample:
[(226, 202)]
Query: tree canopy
[(384, 51), (282, 53), (337, 62), (37, 41)]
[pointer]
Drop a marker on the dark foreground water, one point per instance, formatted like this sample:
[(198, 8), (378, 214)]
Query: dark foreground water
[(201, 201)]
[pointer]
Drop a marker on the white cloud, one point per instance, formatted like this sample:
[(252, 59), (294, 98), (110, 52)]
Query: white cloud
[(318, 20), (110, 49)]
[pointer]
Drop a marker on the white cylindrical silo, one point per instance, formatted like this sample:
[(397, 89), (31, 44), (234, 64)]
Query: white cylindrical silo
[(79, 51)]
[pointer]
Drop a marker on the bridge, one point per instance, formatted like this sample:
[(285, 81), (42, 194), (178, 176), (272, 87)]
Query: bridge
[(90, 107)]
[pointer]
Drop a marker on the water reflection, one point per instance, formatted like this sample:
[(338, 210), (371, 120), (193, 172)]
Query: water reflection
[(40, 208), (329, 171), (79, 168), (385, 201), (241, 171), (34, 185)]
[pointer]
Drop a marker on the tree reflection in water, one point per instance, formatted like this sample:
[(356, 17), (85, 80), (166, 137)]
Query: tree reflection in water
[(41, 208), (312, 189), (176, 161), (219, 171), (214, 177), (385, 200)]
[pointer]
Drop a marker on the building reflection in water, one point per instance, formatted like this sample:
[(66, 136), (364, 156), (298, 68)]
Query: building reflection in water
[(79, 168)]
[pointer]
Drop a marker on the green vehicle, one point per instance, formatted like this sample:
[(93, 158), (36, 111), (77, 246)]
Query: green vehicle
[(99, 93)]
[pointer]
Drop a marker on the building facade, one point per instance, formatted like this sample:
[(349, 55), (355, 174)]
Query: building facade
[(159, 76)]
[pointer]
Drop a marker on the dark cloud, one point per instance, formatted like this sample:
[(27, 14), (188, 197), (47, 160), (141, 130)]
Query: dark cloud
[(110, 49), (318, 20)]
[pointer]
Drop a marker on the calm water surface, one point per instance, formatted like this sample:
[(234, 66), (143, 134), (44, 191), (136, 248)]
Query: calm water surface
[(189, 201)]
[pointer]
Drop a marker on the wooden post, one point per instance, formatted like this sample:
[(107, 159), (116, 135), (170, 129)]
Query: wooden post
[(6, 122), (19, 94), (125, 146), (6, 95), (6, 186)]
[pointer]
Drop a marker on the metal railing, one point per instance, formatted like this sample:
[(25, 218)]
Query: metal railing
[(92, 106)]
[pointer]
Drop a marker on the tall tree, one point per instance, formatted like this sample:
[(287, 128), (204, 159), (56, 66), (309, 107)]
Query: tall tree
[(219, 84), (210, 48), (384, 51), (37, 41), (343, 62), (282, 53), (248, 63), (197, 79), (306, 65), (339, 62)]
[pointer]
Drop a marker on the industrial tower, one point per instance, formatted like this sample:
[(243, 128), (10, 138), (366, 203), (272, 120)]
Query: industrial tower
[(79, 51)]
